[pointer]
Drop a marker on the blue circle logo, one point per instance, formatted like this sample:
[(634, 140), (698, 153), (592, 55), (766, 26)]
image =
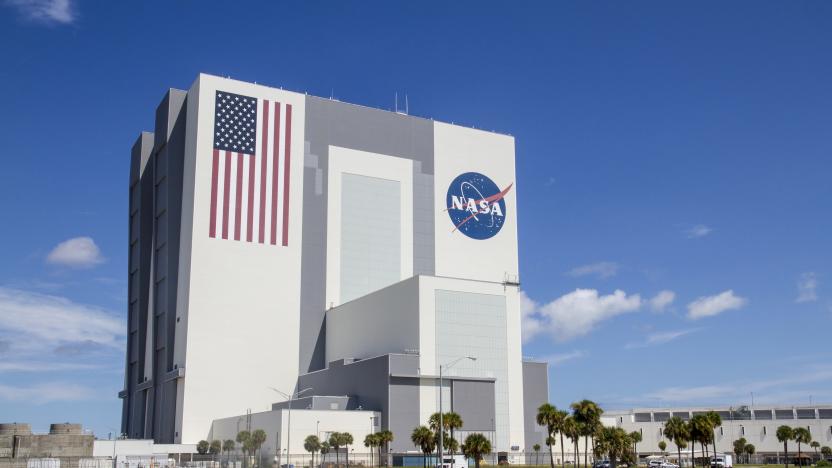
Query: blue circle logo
[(476, 205)]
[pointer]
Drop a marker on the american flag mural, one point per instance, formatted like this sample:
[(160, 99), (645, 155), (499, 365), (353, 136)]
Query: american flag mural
[(250, 170)]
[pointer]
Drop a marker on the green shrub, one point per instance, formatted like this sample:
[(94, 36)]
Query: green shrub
[(824, 463)]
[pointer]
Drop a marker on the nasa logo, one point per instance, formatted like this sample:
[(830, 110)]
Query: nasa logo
[(476, 205)]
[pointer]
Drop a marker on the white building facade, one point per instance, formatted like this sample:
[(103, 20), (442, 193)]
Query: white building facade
[(273, 234), (758, 425)]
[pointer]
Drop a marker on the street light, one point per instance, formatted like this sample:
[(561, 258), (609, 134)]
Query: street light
[(289, 428), (441, 427)]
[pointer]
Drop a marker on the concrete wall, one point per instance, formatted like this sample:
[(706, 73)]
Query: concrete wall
[(304, 423), (386, 321), (535, 393)]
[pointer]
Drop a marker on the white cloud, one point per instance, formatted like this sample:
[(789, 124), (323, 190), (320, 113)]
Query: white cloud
[(45, 11), (45, 393), (600, 269), (531, 325), (78, 252), (38, 322), (558, 359), (708, 306), (662, 300), (34, 366), (658, 338), (574, 314), (807, 288), (771, 391), (700, 230)]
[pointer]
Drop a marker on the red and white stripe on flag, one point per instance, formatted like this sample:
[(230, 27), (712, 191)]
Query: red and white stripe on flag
[(250, 192)]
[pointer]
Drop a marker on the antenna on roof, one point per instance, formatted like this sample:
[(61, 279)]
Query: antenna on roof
[(396, 102), (396, 107), (406, 105)]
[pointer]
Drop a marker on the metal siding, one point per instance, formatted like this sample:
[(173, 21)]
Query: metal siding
[(474, 401), (335, 123), (535, 393)]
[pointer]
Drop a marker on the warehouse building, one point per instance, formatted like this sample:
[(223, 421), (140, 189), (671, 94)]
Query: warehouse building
[(282, 243), (758, 425)]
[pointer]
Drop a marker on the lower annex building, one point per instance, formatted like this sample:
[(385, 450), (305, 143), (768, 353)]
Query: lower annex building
[(281, 242)]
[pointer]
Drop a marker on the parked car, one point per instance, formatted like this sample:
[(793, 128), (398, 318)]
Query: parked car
[(601, 464), (661, 464), (722, 461)]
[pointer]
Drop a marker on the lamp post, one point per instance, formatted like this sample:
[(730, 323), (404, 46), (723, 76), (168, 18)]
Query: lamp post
[(289, 428), (441, 427)]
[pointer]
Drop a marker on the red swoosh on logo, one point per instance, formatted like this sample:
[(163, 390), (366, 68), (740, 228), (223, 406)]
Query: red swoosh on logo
[(493, 198)]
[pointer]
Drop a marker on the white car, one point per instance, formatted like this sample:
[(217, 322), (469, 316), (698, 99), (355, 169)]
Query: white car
[(661, 464)]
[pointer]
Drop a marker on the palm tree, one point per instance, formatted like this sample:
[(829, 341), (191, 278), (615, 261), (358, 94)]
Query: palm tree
[(371, 442), (588, 415), (257, 439), (699, 428), (346, 441), (202, 447), (423, 438), (676, 430), (547, 415), (312, 444), (739, 447), (560, 421), (335, 444), (244, 438), (324, 450), (635, 437), (476, 445), (536, 448), (716, 420), (785, 434), (815, 445), (228, 447), (749, 450), (801, 436), (614, 442), (572, 432), (384, 439), (826, 451)]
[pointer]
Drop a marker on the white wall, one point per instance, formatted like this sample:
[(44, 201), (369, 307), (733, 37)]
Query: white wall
[(304, 422), (458, 150), (349, 161), (386, 321), (428, 357), (238, 301)]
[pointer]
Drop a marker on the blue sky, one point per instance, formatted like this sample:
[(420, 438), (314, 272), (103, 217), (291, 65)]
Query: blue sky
[(674, 165)]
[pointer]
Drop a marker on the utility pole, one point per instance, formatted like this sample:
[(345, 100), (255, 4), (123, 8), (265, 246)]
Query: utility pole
[(441, 427)]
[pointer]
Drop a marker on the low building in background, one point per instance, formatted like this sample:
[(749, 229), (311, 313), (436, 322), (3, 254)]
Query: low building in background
[(757, 425), (64, 446)]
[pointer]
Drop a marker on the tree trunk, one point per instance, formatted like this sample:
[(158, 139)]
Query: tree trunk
[(692, 455), (679, 455), (562, 453), (551, 456), (586, 451), (786, 451), (799, 460)]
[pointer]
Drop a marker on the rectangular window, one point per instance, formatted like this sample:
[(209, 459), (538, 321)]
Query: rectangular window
[(762, 414), (784, 414), (643, 417), (805, 413), (661, 416)]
